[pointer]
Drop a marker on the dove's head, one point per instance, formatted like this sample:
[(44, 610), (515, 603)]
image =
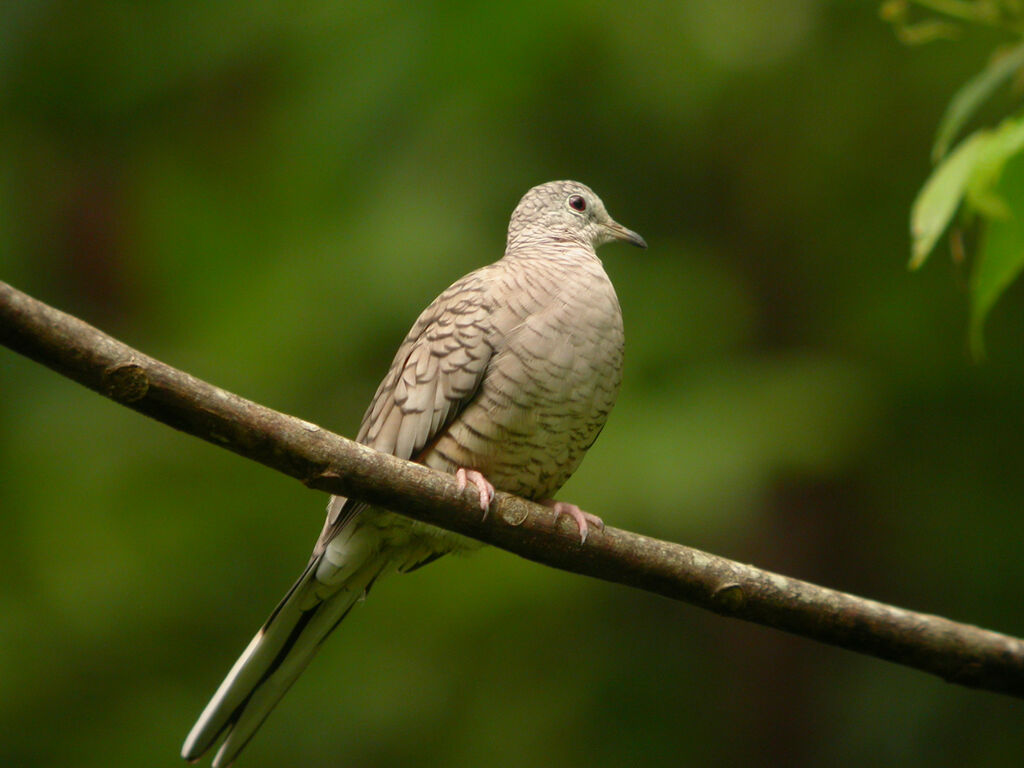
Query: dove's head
[(566, 213)]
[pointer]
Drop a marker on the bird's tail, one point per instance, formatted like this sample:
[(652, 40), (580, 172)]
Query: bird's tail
[(281, 650)]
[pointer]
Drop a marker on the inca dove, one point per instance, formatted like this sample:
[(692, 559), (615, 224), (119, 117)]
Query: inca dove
[(506, 378)]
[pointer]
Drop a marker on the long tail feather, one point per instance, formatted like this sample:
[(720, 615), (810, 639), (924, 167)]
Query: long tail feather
[(278, 654)]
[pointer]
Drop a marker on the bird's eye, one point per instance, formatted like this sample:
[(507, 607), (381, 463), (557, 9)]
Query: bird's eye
[(577, 203)]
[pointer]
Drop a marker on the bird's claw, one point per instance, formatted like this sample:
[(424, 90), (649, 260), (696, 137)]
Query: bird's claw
[(465, 476), (582, 519)]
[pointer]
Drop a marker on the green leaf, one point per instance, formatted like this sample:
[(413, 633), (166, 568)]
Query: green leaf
[(941, 195), (972, 95), (1002, 253), (927, 31), (1004, 143)]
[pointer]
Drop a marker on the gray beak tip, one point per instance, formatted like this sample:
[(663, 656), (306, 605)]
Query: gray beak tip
[(619, 232)]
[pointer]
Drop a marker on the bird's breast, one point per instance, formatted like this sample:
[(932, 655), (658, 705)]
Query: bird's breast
[(547, 391)]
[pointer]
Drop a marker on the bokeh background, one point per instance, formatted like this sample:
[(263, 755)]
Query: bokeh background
[(266, 194)]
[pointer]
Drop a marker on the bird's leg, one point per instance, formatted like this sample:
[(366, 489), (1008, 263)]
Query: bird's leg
[(465, 476), (583, 519)]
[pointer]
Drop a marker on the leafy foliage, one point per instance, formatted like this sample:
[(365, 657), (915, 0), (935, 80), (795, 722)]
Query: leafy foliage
[(968, 179)]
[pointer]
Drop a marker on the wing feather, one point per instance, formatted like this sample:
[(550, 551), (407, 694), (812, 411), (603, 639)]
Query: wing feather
[(435, 373)]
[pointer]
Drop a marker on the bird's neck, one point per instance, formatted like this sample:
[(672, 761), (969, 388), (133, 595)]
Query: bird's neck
[(532, 245)]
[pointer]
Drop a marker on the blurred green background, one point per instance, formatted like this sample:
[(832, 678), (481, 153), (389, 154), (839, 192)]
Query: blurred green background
[(266, 194)]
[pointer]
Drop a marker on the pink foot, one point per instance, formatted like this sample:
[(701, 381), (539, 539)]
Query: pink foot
[(583, 519), (465, 476)]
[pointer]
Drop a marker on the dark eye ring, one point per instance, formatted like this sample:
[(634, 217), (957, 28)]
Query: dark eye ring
[(577, 203)]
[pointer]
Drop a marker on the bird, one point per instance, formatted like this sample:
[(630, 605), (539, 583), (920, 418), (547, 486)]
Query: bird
[(505, 380)]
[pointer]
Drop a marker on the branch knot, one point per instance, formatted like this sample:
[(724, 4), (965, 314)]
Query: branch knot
[(125, 382)]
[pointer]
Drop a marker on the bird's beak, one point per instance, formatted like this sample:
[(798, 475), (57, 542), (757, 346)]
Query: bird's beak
[(618, 232)]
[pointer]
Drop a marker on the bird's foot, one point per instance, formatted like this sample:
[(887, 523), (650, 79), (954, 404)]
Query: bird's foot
[(465, 476), (583, 519)]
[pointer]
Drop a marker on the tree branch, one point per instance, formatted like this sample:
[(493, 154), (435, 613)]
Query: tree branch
[(959, 653)]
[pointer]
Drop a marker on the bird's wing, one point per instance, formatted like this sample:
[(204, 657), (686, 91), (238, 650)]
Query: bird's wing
[(435, 373)]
